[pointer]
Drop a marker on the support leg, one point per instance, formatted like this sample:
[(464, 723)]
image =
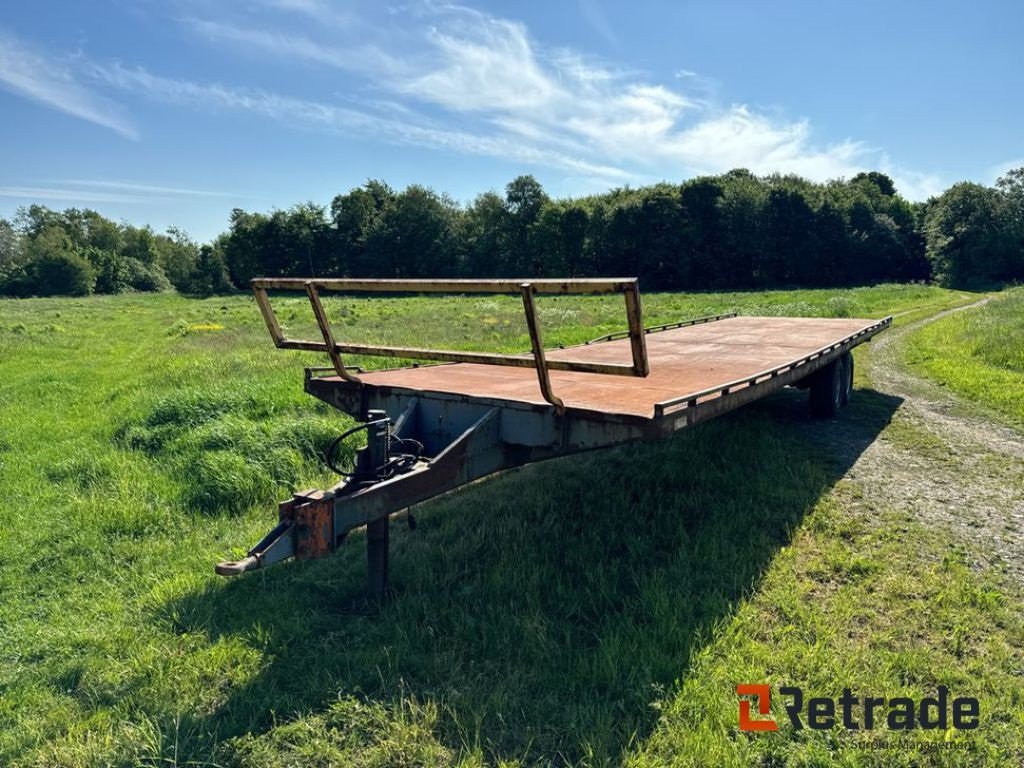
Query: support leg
[(377, 447), (377, 557)]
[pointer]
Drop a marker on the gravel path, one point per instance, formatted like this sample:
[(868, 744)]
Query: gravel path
[(939, 462), (932, 402)]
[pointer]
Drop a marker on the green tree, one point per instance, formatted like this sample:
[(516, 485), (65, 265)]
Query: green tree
[(1011, 214), (55, 267), (176, 255), (484, 236), (702, 236), (112, 271), (963, 236), (415, 236), (353, 216), (245, 246), (883, 183), (524, 198), (211, 272), (791, 229)]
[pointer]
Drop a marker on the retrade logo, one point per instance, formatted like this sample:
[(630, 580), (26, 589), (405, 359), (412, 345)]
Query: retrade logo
[(763, 694), (821, 713)]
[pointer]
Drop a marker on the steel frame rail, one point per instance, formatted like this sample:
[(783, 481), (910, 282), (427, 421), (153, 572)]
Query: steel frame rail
[(664, 327), (527, 289)]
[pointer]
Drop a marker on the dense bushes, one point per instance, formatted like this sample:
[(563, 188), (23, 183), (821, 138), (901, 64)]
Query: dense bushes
[(975, 234), (76, 252), (736, 230), (61, 274)]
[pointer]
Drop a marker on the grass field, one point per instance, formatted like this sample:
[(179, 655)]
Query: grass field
[(593, 610), (979, 354)]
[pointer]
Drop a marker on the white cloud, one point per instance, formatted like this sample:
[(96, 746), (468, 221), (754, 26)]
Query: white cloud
[(52, 82), (344, 120), (490, 69), (103, 191), (358, 58), (461, 80), (128, 186), (474, 69), (317, 10), (1001, 169), (917, 186), (74, 195)]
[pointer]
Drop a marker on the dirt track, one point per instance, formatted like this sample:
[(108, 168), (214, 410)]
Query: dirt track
[(941, 461)]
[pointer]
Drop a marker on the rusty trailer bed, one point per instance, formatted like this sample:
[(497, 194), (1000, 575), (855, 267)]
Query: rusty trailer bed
[(433, 428), (696, 360)]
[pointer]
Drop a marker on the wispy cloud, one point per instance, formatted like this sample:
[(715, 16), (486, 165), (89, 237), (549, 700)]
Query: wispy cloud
[(318, 10), (70, 195), (489, 86), (1001, 169), (411, 129), (357, 58), (103, 191), (52, 81), (458, 79), (127, 186)]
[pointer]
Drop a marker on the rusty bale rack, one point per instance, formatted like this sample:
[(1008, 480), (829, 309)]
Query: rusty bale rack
[(432, 428), (527, 289)]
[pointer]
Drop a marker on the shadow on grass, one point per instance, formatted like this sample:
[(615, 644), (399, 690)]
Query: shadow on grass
[(542, 611)]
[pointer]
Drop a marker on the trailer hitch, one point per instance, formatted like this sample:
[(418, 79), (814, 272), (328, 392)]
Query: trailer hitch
[(384, 481), (305, 528)]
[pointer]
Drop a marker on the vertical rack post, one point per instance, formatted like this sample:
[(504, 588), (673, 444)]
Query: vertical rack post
[(377, 531), (637, 336), (543, 376), (325, 330), (268, 313)]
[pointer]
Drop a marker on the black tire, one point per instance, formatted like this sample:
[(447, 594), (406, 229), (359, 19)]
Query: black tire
[(847, 363), (826, 396)]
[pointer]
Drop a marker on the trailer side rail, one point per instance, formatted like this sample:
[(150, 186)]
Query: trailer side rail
[(664, 327), (691, 399), (527, 289)]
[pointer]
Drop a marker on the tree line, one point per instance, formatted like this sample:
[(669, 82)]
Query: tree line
[(731, 231)]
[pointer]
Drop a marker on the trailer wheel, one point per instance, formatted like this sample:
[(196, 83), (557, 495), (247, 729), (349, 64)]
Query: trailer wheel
[(826, 396), (847, 364)]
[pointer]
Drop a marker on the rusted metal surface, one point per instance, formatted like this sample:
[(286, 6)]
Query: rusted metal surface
[(637, 338), (628, 287), (778, 376), (263, 302), (313, 515), (543, 376), (477, 452), (693, 361), (591, 285), (328, 334), (467, 420)]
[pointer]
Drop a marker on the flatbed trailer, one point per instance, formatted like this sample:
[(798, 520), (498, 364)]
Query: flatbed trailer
[(432, 428)]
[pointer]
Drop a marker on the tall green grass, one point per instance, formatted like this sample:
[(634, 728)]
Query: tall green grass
[(592, 610), (979, 354)]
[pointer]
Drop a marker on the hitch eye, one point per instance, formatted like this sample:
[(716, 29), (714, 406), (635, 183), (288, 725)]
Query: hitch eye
[(237, 567)]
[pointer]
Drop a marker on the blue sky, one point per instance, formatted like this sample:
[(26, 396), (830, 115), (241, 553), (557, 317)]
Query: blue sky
[(174, 112)]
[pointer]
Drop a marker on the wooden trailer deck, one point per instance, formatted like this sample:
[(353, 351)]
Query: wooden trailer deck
[(683, 362)]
